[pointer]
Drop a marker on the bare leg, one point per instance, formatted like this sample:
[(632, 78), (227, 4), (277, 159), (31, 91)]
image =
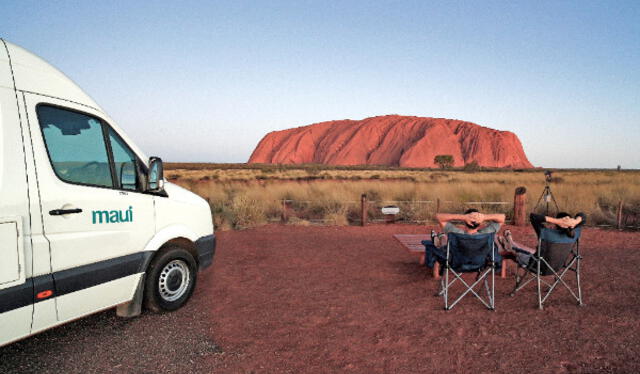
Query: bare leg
[(509, 237)]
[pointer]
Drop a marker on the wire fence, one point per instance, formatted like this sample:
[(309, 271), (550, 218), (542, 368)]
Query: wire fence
[(365, 211)]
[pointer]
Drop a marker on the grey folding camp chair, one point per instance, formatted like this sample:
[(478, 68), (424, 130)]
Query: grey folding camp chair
[(557, 254), (470, 254)]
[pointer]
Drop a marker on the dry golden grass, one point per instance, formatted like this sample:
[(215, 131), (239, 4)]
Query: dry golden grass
[(243, 197)]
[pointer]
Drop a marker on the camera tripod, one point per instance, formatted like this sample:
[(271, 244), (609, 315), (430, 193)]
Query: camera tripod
[(547, 197)]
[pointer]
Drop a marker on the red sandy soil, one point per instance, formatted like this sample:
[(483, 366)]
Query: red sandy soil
[(290, 299), (392, 140)]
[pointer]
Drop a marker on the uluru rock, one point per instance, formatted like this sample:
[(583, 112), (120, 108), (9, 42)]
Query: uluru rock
[(392, 140)]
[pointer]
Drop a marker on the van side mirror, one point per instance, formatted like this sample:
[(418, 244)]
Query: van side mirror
[(156, 175)]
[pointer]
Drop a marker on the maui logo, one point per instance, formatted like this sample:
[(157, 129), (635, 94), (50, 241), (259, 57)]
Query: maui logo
[(112, 216)]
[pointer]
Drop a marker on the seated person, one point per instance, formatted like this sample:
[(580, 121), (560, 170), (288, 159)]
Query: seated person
[(473, 224), (562, 221)]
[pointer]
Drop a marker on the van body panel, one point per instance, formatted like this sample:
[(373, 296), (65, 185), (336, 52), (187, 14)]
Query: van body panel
[(15, 315), (169, 233), (38, 259), (33, 74), (182, 207), (90, 300), (6, 79), (13, 324), (11, 252), (45, 315)]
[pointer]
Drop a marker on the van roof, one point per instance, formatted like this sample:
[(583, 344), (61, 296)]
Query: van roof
[(33, 74)]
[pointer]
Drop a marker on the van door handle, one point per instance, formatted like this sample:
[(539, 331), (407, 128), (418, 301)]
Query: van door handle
[(60, 212)]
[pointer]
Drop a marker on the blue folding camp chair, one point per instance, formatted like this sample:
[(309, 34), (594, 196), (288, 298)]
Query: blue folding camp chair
[(556, 255), (470, 254)]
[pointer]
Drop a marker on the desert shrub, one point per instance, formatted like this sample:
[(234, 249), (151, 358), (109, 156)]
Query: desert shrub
[(444, 161), (298, 221), (372, 195), (408, 194), (471, 166), (353, 214), (412, 211), (247, 212), (436, 177), (313, 170), (326, 176), (273, 212), (337, 218)]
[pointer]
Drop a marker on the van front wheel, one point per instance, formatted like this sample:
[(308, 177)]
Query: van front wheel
[(171, 279)]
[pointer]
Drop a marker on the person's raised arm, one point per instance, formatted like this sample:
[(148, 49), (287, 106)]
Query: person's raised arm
[(564, 222), (444, 218), (497, 218), (568, 222)]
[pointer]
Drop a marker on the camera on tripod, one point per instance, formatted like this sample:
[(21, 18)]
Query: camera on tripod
[(547, 196)]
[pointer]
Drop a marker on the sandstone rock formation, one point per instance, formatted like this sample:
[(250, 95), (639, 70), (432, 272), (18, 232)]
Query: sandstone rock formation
[(392, 140)]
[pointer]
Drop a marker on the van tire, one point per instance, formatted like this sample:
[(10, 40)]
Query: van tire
[(171, 279)]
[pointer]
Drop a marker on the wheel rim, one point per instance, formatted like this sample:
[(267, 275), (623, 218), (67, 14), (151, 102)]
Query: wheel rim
[(174, 280)]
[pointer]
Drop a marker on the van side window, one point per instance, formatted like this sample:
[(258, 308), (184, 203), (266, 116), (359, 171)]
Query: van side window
[(125, 162), (76, 146)]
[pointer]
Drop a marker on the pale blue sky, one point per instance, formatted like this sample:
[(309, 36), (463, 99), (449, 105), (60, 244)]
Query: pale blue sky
[(204, 81)]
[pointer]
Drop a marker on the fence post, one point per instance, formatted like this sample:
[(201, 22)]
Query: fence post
[(437, 205), (520, 207), (363, 203), (285, 217), (619, 216)]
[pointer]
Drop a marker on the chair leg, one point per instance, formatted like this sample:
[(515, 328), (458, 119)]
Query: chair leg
[(446, 288), (493, 289), (580, 303), (539, 289)]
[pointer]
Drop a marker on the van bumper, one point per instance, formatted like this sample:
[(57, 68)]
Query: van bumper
[(206, 247)]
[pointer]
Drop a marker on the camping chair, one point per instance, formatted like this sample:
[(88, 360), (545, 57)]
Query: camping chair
[(556, 255), (469, 254)]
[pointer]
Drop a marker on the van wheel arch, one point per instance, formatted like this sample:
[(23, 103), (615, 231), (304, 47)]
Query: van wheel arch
[(183, 243), (174, 260), (133, 308)]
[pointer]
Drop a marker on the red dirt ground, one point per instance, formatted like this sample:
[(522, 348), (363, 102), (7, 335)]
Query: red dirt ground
[(289, 299)]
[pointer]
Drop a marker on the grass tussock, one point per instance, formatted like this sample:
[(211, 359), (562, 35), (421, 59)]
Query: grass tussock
[(244, 197)]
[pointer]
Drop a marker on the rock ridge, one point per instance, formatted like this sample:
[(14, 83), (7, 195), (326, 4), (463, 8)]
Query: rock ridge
[(392, 140)]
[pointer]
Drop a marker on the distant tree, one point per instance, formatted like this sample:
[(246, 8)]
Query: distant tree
[(619, 167), (444, 161), (472, 166)]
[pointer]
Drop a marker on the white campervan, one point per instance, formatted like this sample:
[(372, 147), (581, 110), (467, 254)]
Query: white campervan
[(87, 221)]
